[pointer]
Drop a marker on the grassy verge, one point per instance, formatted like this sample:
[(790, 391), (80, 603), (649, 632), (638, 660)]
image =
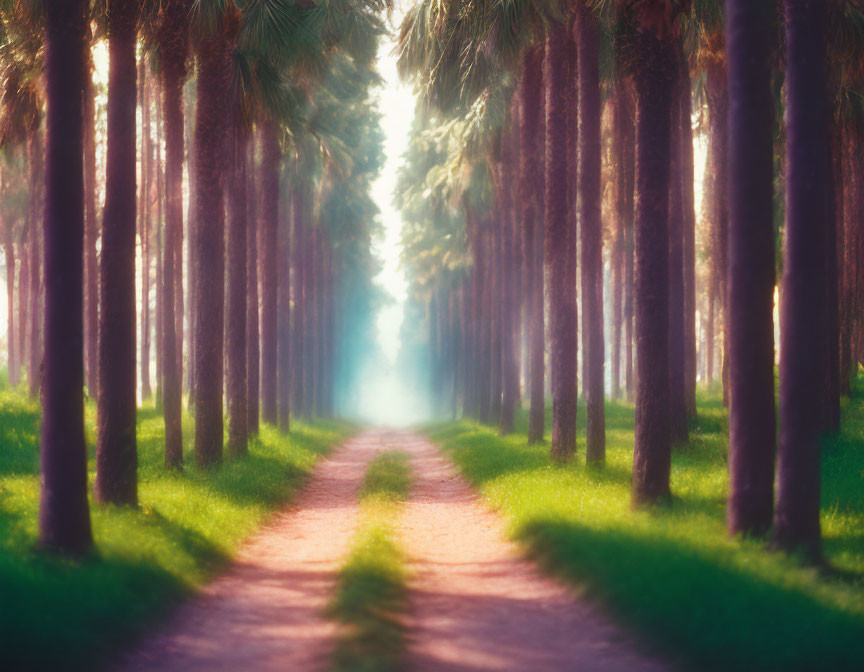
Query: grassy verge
[(62, 614), (672, 574), (370, 594)]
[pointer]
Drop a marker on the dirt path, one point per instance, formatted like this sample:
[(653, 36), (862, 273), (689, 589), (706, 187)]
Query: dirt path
[(476, 604), (265, 612)]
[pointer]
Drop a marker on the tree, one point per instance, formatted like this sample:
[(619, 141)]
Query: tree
[(269, 269), (750, 29), (173, 49), (64, 517), (116, 448), (252, 334), (651, 56), (796, 517), (590, 111), (211, 114), (532, 132), (559, 248)]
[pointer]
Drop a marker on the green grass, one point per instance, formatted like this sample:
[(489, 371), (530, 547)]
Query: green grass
[(65, 614), (671, 573), (369, 602)]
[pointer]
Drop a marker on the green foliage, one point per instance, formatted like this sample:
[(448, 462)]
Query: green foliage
[(370, 599), (672, 573), (63, 614)]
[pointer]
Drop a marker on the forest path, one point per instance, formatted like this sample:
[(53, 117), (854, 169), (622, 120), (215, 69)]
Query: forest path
[(265, 612), (475, 603)]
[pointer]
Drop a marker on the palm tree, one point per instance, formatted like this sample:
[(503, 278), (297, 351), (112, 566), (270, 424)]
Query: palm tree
[(253, 353), (532, 134), (64, 518), (116, 448), (269, 183), (558, 237), (211, 113), (749, 30), (590, 111), (796, 517), (173, 48), (651, 55)]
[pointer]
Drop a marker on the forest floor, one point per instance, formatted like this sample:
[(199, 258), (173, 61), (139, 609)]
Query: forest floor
[(473, 602), (671, 573)]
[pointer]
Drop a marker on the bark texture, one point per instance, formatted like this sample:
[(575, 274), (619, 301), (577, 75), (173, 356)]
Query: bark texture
[(796, 518), (116, 444), (269, 222), (64, 517)]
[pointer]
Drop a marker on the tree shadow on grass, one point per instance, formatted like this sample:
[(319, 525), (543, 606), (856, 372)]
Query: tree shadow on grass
[(712, 613)]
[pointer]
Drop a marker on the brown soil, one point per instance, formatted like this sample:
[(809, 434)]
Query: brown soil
[(475, 602)]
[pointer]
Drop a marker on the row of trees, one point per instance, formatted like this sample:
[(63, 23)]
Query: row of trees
[(544, 121), (280, 141)]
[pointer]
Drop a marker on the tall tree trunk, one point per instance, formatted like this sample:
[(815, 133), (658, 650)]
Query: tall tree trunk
[(718, 107), (144, 228), (9, 249), (173, 44), (532, 135), (750, 28), (688, 214), (831, 381), (269, 269), (91, 232), (157, 241), (796, 518), (496, 279), (211, 114), (628, 177), (709, 331), (23, 304), (590, 111), (653, 77), (677, 395), (509, 305), (190, 258), (64, 517), (558, 236), (283, 348), (236, 309), (34, 347), (298, 314), (252, 343), (116, 446)]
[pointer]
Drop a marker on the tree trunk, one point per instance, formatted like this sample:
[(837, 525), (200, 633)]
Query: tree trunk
[(236, 309), (590, 195), (628, 177), (269, 269), (688, 215), (91, 232), (116, 446), (9, 249), (252, 343), (34, 347), (64, 517), (718, 107), (172, 37), (653, 78), (509, 305), (23, 304), (190, 258), (532, 135), (298, 314), (677, 349), (796, 518), (211, 114), (496, 280), (144, 229), (558, 237), (831, 382), (283, 348), (750, 29)]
